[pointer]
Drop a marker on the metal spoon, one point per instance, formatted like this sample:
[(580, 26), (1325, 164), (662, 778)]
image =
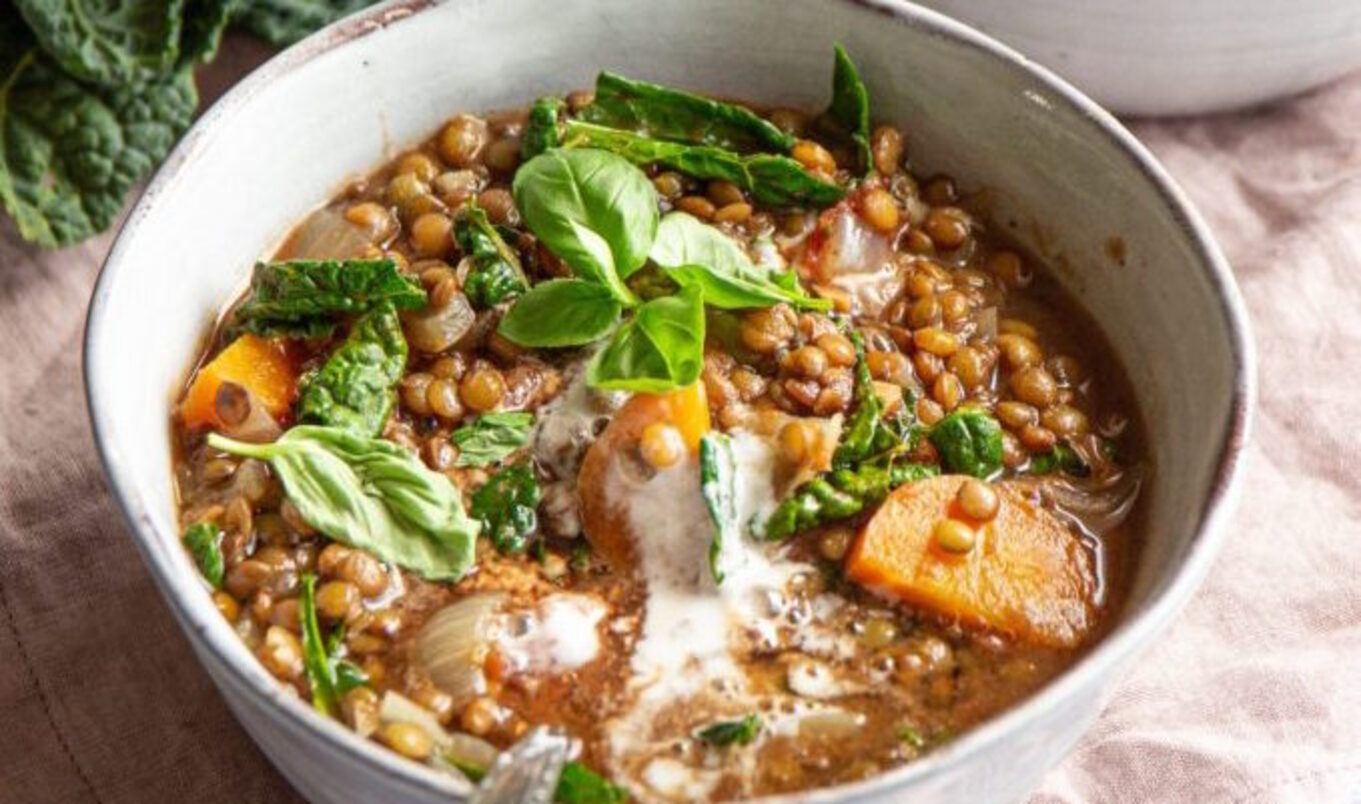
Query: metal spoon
[(527, 772)]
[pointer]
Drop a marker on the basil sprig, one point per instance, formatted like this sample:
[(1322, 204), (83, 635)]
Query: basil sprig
[(660, 348), (370, 494), (561, 312)]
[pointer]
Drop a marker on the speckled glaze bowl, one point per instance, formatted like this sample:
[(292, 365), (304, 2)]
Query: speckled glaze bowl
[(1062, 173)]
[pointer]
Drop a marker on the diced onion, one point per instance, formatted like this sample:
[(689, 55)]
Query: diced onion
[(325, 234), (433, 330), (453, 645)]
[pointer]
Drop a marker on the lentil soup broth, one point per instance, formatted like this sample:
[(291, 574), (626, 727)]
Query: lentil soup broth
[(827, 655)]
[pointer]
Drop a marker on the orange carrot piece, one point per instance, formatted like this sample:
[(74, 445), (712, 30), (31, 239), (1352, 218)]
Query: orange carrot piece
[(1027, 575), (260, 365)]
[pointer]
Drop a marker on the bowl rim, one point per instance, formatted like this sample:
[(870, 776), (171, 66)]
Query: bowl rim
[(1136, 629)]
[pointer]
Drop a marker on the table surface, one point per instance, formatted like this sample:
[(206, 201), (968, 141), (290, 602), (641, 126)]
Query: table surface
[(1253, 695)]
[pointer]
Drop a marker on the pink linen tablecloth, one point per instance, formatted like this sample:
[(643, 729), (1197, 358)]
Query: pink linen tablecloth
[(1254, 695)]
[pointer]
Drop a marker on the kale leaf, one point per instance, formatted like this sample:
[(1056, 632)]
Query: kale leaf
[(70, 151), (579, 784), (496, 274), (969, 442), (1061, 458), (283, 22), (506, 506), (848, 115), (671, 114), (839, 494), (732, 732), (717, 484), (108, 44), (302, 298), (354, 389), (541, 130)]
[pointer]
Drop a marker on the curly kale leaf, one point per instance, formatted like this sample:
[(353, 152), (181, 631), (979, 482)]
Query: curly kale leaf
[(507, 507), (69, 152), (302, 298), (541, 132), (969, 442), (112, 44), (354, 389), (204, 22), (839, 494), (496, 274), (283, 22)]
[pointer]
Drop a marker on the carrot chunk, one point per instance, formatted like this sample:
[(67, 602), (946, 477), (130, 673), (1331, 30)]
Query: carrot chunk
[(260, 365), (1025, 575), (604, 520)]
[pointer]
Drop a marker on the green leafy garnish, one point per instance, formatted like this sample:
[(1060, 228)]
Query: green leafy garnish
[(496, 274), (692, 253), (204, 542), (561, 312), (356, 387), (320, 674), (717, 481), (839, 494), (541, 130), (371, 494), (772, 179), (591, 208), (579, 784), (732, 732), (848, 115), (969, 442), (506, 506), (491, 437), (283, 22), (660, 348), (1061, 458), (71, 151), (303, 298), (672, 114)]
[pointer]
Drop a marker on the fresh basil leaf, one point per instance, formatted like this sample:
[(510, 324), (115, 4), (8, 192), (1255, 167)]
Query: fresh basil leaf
[(772, 179), (303, 298), (491, 437), (314, 659), (732, 732), (541, 130), (120, 45), (694, 253), (356, 387), (848, 115), (283, 22), (495, 274), (591, 208), (506, 505), (660, 348), (672, 114), (69, 152), (969, 442), (204, 542), (717, 484), (561, 312), (579, 784), (371, 494)]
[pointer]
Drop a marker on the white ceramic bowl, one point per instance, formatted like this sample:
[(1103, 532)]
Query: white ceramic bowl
[(1064, 174), (1175, 57)]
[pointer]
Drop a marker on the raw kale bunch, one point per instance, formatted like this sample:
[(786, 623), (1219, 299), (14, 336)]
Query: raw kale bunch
[(93, 94)]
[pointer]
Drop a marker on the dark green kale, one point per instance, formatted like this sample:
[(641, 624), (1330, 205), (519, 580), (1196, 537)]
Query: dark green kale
[(969, 442), (304, 298), (671, 114), (848, 116), (1062, 458), (355, 388), (204, 542), (732, 732), (128, 43), (772, 179), (495, 274), (507, 507), (542, 130), (283, 22), (840, 494), (579, 784)]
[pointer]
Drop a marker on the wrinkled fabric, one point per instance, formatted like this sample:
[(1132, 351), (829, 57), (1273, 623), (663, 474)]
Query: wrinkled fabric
[(1253, 695)]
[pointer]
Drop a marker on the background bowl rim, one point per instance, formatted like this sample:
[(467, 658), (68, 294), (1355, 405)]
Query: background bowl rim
[(1134, 631)]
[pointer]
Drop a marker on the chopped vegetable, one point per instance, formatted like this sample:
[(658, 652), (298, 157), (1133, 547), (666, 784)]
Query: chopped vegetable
[(839, 494), (371, 494), (305, 298), (541, 130), (661, 348), (848, 115), (717, 481), (320, 674), (356, 388), (693, 253), (496, 274), (204, 542), (579, 784), (506, 506), (732, 732), (868, 434), (491, 437), (1027, 575), (969, 442), (262, 366), (671, 114)]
